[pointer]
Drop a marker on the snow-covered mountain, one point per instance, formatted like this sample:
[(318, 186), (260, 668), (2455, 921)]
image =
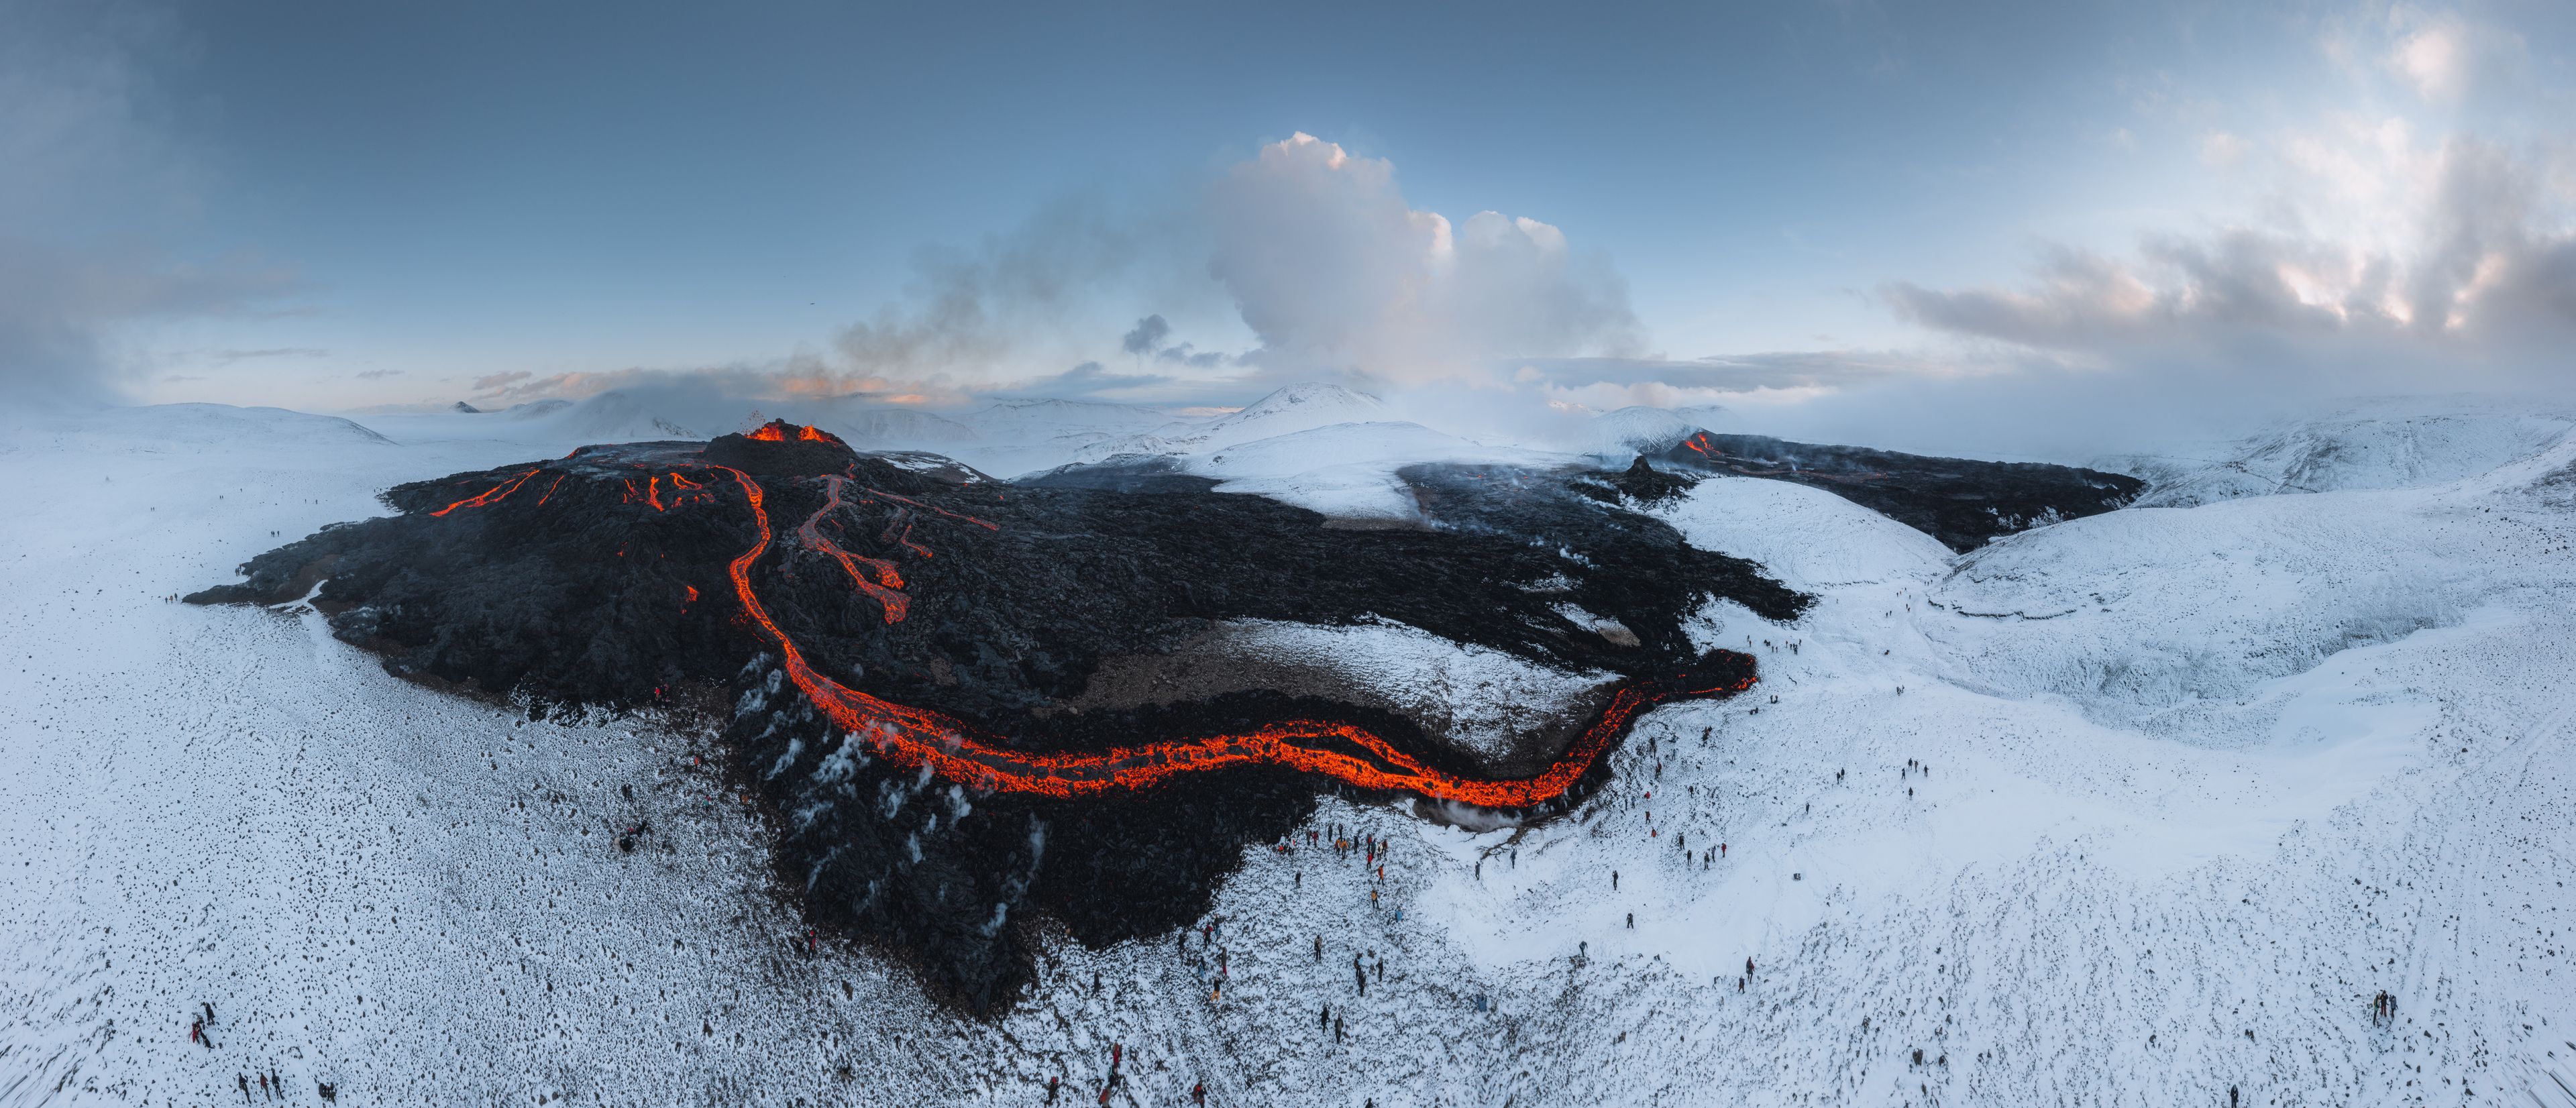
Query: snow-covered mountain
[(2131, 809), (2392, 444)]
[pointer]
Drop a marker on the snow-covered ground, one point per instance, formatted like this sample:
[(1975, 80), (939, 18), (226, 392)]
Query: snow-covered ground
[(2202, 782)]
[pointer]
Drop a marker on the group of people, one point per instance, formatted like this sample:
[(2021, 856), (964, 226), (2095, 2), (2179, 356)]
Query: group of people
[(201, 1033), (1117, 1057)]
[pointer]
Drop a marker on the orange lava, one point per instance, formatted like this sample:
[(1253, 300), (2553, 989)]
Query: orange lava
[(779, 430), (491, 495), (912, 737)]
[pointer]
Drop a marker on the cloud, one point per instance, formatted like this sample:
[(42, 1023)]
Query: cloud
[(2221, 150), (377, 374), (79, 149), (1147, 337), (1335, 272), (2446, 57), (2456, 258), (227, 357), (496, 382), (1190, 355), (1089, 379), (62, 309), (1018, 297)]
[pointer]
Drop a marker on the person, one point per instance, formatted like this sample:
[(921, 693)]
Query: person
[(1748, 967), (1118, 1051), (1337, 1029), (1614, 880), (244, 1084), (196, 1030), (1324, 1018), (1319, 946), (210, 1013), (1198, 1092), (1050, 1089), (1721, 850)]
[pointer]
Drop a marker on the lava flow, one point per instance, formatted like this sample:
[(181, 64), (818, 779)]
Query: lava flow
[(492, 495), (886, 589), (913, 737)]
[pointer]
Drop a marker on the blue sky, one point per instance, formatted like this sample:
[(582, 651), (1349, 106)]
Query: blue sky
[(335, 205)]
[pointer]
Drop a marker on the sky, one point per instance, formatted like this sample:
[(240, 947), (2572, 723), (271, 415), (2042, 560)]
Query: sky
[(1846, 215)]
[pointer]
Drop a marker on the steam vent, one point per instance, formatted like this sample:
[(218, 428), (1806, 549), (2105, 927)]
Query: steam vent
[(992, 707)]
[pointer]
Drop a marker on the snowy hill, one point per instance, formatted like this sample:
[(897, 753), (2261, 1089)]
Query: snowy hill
[(1294, 408), (1346, 470), (2132, 809), (2404, 443)]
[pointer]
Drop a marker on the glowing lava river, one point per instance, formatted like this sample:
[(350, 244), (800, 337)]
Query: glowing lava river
[(952, 749), (965, 702)]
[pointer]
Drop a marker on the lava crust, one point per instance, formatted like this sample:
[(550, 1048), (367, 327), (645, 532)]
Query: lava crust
[(1964, 504), (907, 646)]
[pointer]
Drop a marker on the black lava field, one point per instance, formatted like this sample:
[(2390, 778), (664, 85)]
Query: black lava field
[(900, 644)]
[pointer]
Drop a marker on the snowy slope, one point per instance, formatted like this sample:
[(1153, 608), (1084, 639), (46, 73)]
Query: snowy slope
[(1291, 409), (2317, 747), (1806, 537), (2408, 442), (1348, 470)]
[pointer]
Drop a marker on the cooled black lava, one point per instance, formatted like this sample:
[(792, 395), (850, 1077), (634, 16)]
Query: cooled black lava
[(945, 619)]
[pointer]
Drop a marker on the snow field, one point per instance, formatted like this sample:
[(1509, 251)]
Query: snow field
[(2317, 747)]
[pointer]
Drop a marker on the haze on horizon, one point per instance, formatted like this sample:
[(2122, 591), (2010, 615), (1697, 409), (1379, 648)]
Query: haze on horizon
[(2023, 226)]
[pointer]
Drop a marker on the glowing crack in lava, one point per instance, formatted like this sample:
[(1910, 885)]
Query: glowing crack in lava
[(914, 737)]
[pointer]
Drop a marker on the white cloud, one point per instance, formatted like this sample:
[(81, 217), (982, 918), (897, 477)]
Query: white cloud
[(2434, 58), (2221, 150), (2446, 58), (1336, 272), (2380, 262)]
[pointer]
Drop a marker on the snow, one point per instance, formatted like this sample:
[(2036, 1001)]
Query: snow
[(1481, 701), (2299, 749), (1805, 537), (2392, 443), (1348, 470), (1300, 407)]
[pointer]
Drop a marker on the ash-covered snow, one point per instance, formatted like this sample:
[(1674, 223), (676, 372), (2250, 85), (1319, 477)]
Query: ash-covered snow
[(2173, 838)]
